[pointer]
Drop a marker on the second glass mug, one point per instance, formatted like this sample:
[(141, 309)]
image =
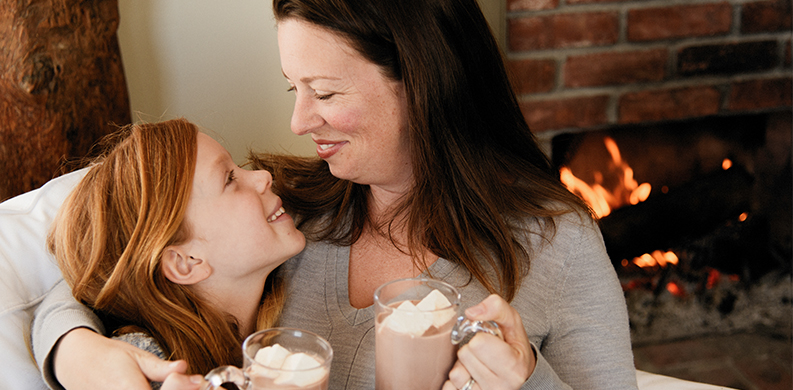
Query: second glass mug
[(256, 375), (413, 356)]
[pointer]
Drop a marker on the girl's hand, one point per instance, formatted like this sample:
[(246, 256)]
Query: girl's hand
[(491, 362)]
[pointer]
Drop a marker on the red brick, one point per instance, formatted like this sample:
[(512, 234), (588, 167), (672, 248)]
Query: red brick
[(757, 94), (563, 30), (648, 24), (533, 76), (766, 16), (563, 113), (615, 68), (668, 104), (531, 5), (730, 58)]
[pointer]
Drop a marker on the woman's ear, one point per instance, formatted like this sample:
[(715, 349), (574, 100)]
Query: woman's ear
[(181, 268)]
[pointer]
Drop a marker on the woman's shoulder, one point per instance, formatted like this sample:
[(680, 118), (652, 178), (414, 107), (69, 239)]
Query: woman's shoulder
[(564, 225)]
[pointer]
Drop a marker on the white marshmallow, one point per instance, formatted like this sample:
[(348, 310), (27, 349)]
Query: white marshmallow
[(434, 301), (416, 319), (299, 370), (257, 372), (272, 356)]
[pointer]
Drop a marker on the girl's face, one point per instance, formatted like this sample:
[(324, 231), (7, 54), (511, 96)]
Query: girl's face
[(236, 222), (355, 115)]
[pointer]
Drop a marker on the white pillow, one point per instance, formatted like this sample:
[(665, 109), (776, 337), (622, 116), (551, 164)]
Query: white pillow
[(27, 272)]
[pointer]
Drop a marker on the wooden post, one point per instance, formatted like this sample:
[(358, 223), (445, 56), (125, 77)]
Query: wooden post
[(62, 86)]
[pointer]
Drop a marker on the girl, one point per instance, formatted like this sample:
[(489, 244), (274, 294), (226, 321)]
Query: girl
[(173, 245)]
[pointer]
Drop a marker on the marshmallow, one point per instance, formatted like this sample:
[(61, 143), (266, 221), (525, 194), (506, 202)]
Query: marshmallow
[(272, 356), (434, 301), (301, 370), (406, 318), (416, 319)]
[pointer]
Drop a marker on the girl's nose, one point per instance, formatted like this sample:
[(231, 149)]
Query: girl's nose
[(262, 180), (304, 116)]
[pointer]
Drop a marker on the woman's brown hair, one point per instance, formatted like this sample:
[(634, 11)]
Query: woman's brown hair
[(110, 234), (478, 170)]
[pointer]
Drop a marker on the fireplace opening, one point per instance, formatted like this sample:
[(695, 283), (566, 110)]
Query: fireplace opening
[(696, 216)]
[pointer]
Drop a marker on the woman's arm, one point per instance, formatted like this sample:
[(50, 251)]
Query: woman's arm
[(574, 308), (72, 353)]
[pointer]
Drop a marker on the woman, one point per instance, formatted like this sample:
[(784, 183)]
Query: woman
[(161, 233), (428, 168)]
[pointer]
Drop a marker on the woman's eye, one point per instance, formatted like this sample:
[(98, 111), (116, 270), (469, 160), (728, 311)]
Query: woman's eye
[(324, 96), (230, 177), (292, 89)]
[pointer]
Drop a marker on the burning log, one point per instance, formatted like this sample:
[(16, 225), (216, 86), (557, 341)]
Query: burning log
[(664, 221), (62, 86)]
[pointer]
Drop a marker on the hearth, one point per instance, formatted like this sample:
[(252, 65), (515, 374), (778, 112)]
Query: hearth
[(696, 216)]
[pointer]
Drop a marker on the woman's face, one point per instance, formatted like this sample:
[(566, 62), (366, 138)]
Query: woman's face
[(237, 224), (355, 115)]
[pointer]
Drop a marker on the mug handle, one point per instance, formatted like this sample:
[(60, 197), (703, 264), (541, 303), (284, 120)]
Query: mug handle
[(225, 374), (465, 329)]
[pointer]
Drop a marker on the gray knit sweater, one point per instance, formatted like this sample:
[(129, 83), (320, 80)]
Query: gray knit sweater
[(571, 304)]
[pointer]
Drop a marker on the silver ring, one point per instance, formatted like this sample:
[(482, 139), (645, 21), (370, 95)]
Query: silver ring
[(468, 385)]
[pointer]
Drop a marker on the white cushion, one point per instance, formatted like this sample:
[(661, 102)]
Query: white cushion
[(27, 272), (650, 381)]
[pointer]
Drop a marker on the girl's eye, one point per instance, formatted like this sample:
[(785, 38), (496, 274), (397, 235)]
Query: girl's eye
[(231, 177)]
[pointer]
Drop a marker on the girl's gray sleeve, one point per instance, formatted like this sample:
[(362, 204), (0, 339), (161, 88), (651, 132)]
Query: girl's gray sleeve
[(146, 343), (58, 314)]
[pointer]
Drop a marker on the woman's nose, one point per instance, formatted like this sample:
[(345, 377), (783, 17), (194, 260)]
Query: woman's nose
[(304, 116)]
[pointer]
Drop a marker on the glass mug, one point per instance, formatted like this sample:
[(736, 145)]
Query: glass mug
[(300, 361), (415, 342)]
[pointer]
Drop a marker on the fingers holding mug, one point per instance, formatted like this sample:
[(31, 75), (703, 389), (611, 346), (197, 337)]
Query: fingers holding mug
[(493, 362), (459, 379)]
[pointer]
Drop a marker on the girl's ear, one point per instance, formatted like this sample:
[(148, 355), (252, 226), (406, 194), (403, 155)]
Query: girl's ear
[(181, 268)]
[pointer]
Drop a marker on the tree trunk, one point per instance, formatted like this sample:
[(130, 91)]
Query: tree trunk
[(62, 86)]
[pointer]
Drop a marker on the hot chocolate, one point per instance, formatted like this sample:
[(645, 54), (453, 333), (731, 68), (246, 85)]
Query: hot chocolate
[(409, 361)]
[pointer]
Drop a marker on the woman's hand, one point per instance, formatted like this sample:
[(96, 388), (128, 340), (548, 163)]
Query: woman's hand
[(84, 359), (491, 362), (177, 381)]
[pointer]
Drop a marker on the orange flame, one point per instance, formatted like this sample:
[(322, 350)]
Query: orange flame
[(657, 258), (675, 289), (603, 201), (726, 164)]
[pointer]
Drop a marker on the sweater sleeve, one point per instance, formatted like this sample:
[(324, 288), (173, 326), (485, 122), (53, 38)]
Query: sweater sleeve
[(589, 342), (58, 314), (574, 311)]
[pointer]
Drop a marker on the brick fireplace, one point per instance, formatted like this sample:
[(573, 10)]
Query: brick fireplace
[(581, 64), (705, 83)]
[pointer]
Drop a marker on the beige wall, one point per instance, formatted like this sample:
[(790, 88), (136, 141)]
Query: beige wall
[(216, 64)]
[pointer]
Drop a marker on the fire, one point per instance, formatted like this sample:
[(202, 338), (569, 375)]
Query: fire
[(676, 289), (602, 200), (657, 258), (726, 164)]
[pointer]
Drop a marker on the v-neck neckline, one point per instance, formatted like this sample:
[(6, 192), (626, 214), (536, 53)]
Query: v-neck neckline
[(340, 281)]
